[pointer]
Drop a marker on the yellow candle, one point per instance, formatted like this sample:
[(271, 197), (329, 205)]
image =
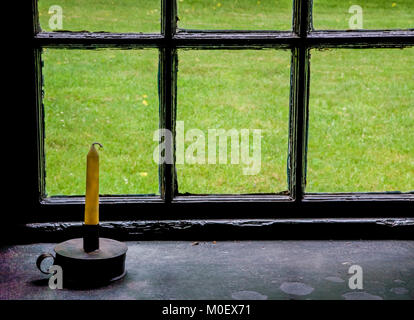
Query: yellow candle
[(92, 186)]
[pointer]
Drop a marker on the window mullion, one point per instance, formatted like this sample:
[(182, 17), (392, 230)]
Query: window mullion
[(168, 88), (299, 100), (38, 114)]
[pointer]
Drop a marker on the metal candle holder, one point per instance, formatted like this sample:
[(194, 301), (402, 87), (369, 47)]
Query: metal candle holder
[(88, 261)]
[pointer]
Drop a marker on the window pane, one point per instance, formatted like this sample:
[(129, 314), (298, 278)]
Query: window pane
[(238, 92), (109, 96), (366, 14), (100, 15), (361, 136), (235, 14)]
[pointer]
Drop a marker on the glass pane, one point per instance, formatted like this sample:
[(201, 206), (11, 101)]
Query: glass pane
[(361, 136), (235, 14), (109, 96), (100, 15), (364, 14), (246, 95)]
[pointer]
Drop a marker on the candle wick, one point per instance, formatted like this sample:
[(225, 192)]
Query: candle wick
[(100, 145)]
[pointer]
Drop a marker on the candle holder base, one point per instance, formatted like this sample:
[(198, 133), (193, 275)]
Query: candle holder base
[(88, 269)]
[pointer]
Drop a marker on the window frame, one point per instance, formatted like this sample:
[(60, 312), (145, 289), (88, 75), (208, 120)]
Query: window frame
[(171, 205)]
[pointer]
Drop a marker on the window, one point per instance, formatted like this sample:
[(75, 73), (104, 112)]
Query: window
[(360, 128), (284, 78), (104, 95)]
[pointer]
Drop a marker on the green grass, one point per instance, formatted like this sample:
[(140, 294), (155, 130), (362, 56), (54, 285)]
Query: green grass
[(377, 14), (361, 105), (109, 96), (214, 91), (361, 127), (236, 14), (104, 15)]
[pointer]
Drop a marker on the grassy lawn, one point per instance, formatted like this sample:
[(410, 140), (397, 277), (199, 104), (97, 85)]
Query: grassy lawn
[(108, 96), (361, 106), (236, 14), (377, 14), (361, 127), (104, 15), (214, 91)]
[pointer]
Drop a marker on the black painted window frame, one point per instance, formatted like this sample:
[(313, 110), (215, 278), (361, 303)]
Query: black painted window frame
[(171, 205)]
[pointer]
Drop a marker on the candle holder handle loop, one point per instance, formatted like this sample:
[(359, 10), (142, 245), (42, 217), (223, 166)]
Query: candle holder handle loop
[(40, 259)]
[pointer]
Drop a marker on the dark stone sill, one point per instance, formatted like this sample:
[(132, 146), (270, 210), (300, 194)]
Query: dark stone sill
[(224, 229)]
